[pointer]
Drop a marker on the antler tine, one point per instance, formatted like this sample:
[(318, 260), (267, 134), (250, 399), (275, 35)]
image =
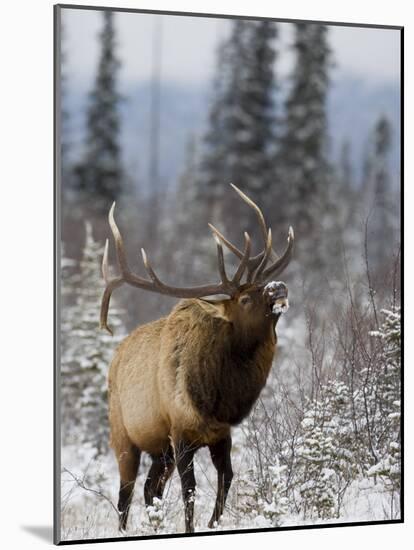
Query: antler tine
[(106, 298), (105, 269), (244, 261), (103, 320), (258, 211), (220, 262), (281, 263), (149, 269), (119, 243), (110, 285), (253, 263), (266, 256), (223, 239)]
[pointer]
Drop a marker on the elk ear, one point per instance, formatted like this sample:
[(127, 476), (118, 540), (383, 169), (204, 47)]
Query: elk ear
[(215, 309)]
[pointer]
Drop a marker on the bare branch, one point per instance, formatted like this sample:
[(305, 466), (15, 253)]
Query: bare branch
[(81, 483)]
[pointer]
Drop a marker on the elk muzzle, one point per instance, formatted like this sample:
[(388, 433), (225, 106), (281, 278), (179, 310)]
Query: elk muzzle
[(276, 294)]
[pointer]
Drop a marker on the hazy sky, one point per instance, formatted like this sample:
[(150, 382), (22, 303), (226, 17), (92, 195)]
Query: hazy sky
[(189, 43)]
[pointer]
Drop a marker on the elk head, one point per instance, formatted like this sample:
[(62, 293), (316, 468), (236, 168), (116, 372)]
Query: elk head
[(251, 302)]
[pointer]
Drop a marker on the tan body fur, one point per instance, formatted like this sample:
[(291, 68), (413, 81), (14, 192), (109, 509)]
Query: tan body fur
[(148, 396)]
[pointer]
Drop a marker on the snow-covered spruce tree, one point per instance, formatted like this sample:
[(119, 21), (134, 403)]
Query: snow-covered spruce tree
[(338, 424), (239, 144), (86, 353), (262, 502), (275, 503), (302, 158), (327, 452), (315, 478), (388, 396), (99, 174)]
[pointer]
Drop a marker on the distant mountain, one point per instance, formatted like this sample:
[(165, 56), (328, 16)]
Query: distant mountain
[(353, 109)]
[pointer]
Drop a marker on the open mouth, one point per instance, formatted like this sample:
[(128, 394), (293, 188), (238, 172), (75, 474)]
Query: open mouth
[(281, 305), (276, 293)]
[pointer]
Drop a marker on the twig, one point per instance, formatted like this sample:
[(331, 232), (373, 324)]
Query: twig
[(100, 494), (368, 272)]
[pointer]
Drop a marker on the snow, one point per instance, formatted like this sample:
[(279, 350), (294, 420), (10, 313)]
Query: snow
[(86, 515), (281, 306), (272, 287)]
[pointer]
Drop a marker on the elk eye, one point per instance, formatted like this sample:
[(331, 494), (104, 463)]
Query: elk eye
[(245, 300)]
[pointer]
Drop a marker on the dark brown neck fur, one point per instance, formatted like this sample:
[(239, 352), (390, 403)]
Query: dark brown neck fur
[(226, 379)]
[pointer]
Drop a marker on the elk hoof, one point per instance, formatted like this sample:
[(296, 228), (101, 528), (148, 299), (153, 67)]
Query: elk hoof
[(122, 524)]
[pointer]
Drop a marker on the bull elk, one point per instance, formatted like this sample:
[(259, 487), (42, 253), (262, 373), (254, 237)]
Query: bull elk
[(181, 382)]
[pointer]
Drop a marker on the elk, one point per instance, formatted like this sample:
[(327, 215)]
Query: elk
[(182, 381)]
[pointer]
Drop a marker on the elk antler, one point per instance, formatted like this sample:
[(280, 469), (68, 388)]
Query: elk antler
[(256, 266), (154, 284)]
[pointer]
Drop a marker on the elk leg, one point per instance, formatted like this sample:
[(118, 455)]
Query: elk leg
[(220, 455), (184, 454), (128, 462), (160, 471)]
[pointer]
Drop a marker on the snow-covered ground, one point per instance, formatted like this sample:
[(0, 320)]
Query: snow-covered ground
[(89, 502)]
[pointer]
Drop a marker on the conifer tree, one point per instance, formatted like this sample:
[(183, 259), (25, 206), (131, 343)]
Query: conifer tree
[(238, 145), (263, 499), (100, 173), (86, 352), (302, 158), (64, 114), (314, 459)]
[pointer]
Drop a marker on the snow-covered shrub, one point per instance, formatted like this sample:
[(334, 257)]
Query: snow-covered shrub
[(389, 467), (263, 503), (339, 425), (86, 352), (156, 514), (388, 391), (315, 476), (276, 504), (326, 451)]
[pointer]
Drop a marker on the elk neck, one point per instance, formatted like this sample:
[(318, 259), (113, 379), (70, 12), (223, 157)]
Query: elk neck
[(226, 380)]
